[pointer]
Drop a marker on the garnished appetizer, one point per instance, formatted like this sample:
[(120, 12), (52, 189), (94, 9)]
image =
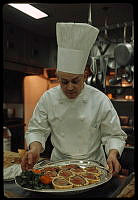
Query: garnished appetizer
[(52, 168), (51, 174), (60, 182), (94, 170), (70, 166), (92, 178), (78, 181), (65, 173), (77, 170)]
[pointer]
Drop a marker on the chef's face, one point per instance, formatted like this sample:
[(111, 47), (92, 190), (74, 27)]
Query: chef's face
[(71, 84)]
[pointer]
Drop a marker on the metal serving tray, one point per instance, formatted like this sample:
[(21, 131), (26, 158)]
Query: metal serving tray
[(105, 176)]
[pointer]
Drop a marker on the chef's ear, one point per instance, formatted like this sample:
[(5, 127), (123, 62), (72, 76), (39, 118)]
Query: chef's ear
[(86, 73)]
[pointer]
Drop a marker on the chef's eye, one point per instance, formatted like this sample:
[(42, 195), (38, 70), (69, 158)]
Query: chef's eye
[(65, 82), (75, 81)]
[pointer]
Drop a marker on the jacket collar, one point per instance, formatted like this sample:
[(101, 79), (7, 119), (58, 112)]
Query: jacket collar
[(82, 96)]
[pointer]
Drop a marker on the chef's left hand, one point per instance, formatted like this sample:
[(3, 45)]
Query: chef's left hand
[(113, 163)]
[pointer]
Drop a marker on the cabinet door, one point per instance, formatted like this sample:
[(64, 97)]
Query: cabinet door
[(13, 43), (36, 50), (17, 138), (52, 54)]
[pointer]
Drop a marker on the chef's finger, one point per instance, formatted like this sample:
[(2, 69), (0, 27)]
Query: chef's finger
[(24, 161), (30, 158), (23, 165), (110, 165), (117, 168)]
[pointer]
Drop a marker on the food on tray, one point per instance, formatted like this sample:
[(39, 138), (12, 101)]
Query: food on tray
[(45, 179), (63, 176), (78, 180), (92, 178), (31, 180), (51, 173), (77, 170), (69, 166), (93, 169), (36, 171), (61, 183), (65, 173), (52, 168)]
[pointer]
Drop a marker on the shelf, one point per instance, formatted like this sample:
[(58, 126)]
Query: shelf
[(127, 127), (13, 122), (119, 86), (122, 100)]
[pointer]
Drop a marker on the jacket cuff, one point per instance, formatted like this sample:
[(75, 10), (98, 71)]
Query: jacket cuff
[(115, 144), (35, 138)]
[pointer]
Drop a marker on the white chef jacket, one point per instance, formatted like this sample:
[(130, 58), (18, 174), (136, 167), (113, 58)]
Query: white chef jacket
[(79, 127)]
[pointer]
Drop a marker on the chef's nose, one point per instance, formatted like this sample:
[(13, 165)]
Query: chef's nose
[(69, 86)]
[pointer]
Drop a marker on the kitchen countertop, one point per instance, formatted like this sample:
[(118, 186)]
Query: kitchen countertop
[(112, 188)]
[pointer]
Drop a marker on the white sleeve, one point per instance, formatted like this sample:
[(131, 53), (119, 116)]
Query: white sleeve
[(38, 127), (113, 137)]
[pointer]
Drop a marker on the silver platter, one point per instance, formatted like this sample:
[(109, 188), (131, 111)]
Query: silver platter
[(105, 177)]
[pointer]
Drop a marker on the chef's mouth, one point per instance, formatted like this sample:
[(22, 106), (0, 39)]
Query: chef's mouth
[(71, 94)]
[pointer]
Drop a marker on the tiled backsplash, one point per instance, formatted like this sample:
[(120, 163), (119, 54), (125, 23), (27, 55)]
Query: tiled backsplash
[(18, 109)]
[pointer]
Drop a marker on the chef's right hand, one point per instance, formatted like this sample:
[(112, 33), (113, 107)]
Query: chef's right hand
[(31, 157)]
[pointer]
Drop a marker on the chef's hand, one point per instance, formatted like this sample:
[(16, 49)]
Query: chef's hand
[(113, 163), (32, 156)]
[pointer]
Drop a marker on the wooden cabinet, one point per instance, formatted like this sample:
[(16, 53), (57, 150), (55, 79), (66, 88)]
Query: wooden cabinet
[(24, 47), (52, 54), (14, 43), (12, 87), (37, 53)]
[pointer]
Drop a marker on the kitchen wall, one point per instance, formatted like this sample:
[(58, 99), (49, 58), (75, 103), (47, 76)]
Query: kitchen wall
[(13, 91)]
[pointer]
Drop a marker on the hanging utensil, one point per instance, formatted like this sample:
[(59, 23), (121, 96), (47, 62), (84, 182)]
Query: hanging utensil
[(94, 70), (89, 80), (132, 68), (104, 72), (100, 76), (89, 15), (103, 63), (124, 52)]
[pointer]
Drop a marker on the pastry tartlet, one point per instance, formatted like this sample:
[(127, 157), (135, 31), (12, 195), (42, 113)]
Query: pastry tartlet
[(60, 182)]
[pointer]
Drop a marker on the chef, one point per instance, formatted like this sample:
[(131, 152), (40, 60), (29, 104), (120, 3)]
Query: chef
[(81, 119)]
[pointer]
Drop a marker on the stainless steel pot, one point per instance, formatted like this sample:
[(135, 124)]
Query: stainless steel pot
[(124, 53)]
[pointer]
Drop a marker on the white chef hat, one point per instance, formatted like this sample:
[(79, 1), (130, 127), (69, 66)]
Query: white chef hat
[(75, 41)]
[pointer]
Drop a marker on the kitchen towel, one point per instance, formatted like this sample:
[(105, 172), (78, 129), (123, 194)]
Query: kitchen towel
[(11, 172)]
